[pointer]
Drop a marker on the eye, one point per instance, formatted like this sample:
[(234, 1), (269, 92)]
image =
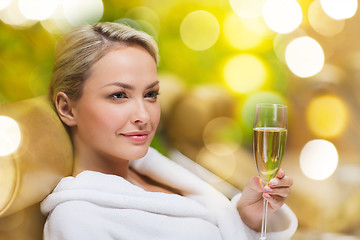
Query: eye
[(118, 95), (152, 94)]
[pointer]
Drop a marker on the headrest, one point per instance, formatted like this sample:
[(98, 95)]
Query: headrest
[(44, 154)]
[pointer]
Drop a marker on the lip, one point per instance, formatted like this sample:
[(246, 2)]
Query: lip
[(137, 136)]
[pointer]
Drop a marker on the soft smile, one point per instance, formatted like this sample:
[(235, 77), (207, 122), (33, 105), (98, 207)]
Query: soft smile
[(137, 136)]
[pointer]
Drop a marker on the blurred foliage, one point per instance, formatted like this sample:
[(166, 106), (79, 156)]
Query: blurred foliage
[(26, 54)]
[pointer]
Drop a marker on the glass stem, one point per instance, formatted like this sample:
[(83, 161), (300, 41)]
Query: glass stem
[(264, 220)]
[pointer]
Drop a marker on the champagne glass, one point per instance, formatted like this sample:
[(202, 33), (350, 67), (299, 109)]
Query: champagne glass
[(269, 138)]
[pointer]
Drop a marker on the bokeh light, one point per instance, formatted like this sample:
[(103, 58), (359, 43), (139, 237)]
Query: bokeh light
[(282, 16), (79, 12), (246, 8), (4, 4), (304, 57), (318, 159), (222, 136), (223, 165), (12, 15), (57, 23), (144, 14), (199, 30), (281, 41), (258, 26), (247, 110), (327, 116), (322, 23), (37, 9), (245, 73), (340, 9), (330, 74), (193, 110), (130, 22), (249, 33), (348, 173), (10, 135), (172, 88), (144, 17)]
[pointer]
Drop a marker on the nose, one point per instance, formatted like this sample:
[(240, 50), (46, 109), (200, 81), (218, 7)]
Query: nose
[(141, 114)]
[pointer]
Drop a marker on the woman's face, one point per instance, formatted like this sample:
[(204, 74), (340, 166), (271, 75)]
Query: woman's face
[(118, 112)]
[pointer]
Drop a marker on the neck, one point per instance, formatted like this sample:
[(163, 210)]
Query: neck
[(83, 163), (86, 159)]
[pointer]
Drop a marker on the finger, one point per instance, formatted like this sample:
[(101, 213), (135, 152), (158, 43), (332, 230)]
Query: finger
[(252, 192), (275, 202), (281, 192), (286, 181), (255, 184), (280, 174)]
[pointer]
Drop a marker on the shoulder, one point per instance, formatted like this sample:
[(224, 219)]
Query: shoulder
[(69, 219), (70, 212)]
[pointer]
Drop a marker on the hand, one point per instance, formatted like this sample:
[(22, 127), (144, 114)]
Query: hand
[(250, 206)]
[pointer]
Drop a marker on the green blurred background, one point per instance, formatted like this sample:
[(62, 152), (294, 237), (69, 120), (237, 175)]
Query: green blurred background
[(218, 59)]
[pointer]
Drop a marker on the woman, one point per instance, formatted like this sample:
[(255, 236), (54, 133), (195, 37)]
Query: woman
[(104, 86)]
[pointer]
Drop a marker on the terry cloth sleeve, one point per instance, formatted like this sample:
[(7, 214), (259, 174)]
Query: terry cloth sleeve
[(281, 225), (72, 221)]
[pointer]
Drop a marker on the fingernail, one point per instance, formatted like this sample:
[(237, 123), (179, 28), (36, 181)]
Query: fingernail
[(266, 195), (267, 189), (274, 182)]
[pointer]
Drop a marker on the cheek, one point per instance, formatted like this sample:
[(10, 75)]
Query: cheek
[(156, 115), (100, 118)]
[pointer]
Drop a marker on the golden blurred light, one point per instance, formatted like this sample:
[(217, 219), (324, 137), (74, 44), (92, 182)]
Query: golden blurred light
[(349, 173), (199, 30), (244, 34), (4, 4), (245, 73), (172, 88), (12, 16), (281, 41), (304, 57), (192, 111), (56, 24), (339, 9), (130, 22), (148, 28), (318, 159), (79, 12), (246, 8), (13, 222), (10, 135), (37, 9), (257, 25), (222, 136), (282, 16), (327, 116), (222, 165), (247, 110), (331, 74), (322, 23), (144, 14)]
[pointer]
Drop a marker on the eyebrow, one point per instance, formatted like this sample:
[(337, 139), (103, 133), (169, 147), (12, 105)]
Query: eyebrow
[(130, 87)]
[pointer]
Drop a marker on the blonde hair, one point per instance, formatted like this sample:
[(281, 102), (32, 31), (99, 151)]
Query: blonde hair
[(79, 49)]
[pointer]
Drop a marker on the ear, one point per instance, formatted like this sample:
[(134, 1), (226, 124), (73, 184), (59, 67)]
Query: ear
[(64, 107)]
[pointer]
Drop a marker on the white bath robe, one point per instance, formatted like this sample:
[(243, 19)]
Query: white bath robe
[(100, 206)]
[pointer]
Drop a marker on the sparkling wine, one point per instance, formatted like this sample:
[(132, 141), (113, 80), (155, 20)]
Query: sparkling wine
[(269, 145)]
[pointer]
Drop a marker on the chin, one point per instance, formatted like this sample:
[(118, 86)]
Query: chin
[(138, 152)]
